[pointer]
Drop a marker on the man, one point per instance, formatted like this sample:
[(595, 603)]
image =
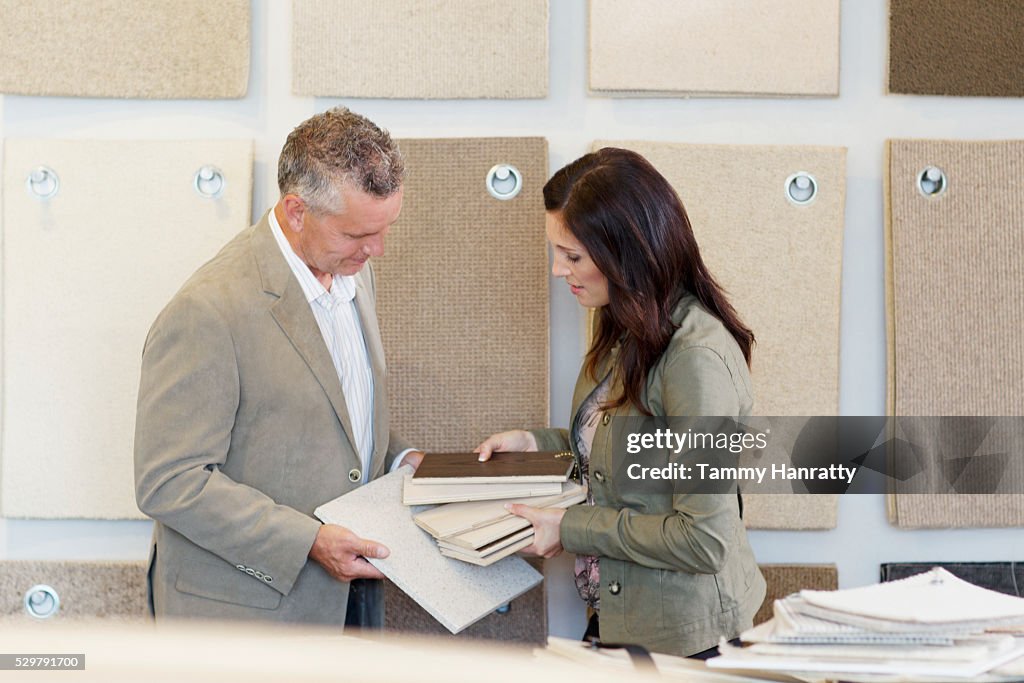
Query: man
[(263, 393)]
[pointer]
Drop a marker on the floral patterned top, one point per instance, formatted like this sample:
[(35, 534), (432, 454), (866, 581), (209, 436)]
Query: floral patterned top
[(588, 570)]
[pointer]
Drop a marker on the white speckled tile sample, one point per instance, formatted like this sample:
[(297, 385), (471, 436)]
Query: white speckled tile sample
[(455, 593)]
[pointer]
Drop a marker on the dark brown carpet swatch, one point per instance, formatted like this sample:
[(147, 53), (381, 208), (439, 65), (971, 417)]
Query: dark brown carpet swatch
[(956, 47)]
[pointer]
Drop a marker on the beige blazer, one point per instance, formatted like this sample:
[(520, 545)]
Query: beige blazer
[(677, 571), (242, 430)]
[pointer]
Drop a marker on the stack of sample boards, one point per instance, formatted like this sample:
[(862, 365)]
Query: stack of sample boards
[(931, 624), (473, 524)]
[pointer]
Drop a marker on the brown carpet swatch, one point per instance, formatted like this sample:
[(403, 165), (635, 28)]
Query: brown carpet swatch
[(153, 49), (780, 264), (784, 579), (126, 227), (86, 590), (955, 304), (956, 47), (784, 48), (433, 49), (462, 295)]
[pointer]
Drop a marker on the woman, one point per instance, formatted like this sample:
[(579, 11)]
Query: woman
[(673, 573)]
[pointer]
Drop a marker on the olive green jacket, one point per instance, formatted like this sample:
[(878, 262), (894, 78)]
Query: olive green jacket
[(677, 571)]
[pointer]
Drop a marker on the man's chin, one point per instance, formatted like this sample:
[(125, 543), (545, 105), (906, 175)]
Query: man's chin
[(352, 267)]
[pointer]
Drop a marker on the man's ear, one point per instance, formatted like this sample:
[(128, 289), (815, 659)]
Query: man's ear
[(294, 211)]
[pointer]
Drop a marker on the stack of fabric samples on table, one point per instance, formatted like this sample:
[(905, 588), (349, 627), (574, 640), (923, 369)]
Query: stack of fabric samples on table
[(932, 625), (472, 523)]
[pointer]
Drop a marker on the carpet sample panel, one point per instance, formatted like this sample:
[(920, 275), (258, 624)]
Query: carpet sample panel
[(1005, 577), (433, 49), (524, 620), (768, 48), (780, 264), (952, 47), (121, 233), (462, 295), (786, 579), (955, 308), (83, 590), (152, 49)]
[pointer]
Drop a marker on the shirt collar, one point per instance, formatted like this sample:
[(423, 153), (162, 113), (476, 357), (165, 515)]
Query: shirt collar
[(343, 287)]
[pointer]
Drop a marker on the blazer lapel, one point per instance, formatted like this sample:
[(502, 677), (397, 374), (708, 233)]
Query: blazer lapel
[(365, 305), (293, 316)]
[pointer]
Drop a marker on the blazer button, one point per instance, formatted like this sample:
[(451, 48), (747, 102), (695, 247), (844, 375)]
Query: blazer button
[(599, 475), (606, 419), (614, 588), (354, 475)]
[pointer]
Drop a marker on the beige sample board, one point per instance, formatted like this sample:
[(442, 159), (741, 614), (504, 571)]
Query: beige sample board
[(73, 590), (955, 305), (462, 294), (422, 49), (455, 593), (154, 49), (770, 48), (780, 263), (85, 272)]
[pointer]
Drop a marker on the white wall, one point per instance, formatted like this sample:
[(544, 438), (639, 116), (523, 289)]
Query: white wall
[(860, 119)]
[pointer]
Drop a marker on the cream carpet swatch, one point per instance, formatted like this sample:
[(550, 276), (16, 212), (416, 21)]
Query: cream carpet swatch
[(955, 304), (84, 275), (462, 295), (424, 49), (86, 590), (715, 47), (780, 264), (156, 49), (785, 579)]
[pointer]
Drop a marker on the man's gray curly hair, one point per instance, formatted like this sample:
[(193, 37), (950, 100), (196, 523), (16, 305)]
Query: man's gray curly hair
[(338, 146)]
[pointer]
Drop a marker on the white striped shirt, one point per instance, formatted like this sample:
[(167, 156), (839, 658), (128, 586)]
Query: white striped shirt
[(335, 313)]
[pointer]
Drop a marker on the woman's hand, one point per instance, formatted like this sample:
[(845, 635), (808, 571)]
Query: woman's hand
[(517, 440), (547, 539)]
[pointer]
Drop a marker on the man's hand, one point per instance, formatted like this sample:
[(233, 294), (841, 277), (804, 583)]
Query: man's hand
[(517, 440), (547, 539), (341, 553)]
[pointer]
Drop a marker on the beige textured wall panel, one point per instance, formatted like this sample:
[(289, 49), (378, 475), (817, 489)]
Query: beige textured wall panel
[(462, 295), (157, 49), (781, 265), (785, 579), (715, 47), (86, 590), (424, 49), (956, 306), (84, 275), (792, 511)]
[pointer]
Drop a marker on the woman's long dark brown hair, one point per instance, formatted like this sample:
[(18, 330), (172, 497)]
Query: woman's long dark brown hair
[(634, 226)]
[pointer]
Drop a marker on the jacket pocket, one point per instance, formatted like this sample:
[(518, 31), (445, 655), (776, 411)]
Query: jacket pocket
[(642, 594), (689, 600), (224, 583)]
